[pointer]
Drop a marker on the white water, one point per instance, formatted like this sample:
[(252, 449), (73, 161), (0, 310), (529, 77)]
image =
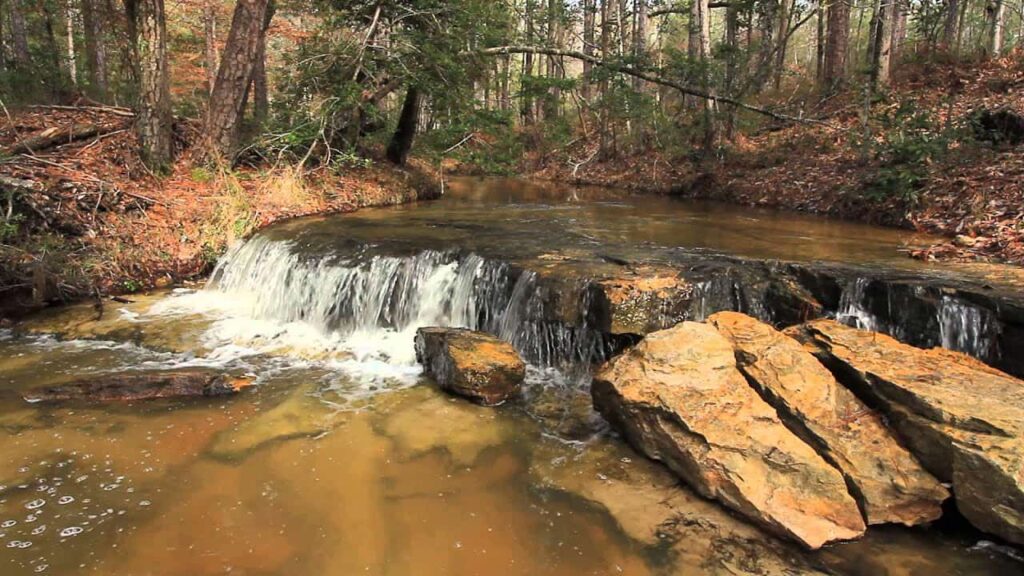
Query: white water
[(360, 316), (967, 328)]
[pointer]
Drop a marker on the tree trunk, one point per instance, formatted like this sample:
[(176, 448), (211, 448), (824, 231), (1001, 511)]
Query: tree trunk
[(603, 144), (261, 98), (704, 25), (210, 43), (405, 132), (837, 45), (233, 77), (899, 29), (154, 122), (819, 55), (782, 40), (131, 52), (640, 40), (995, 11), (95, 48), (19, 38), (588, 45), (526, 99), (882, 42), (72, 61), (949, 28)]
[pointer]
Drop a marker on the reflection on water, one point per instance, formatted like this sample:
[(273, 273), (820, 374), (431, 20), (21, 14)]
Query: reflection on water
[(342, 460)]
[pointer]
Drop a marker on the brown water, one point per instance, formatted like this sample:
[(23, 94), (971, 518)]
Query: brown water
[(335, 464)]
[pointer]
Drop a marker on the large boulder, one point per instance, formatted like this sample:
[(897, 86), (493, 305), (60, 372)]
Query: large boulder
[(131, 386), (887, 481), (679, 398), (471, 364), (962, 419)]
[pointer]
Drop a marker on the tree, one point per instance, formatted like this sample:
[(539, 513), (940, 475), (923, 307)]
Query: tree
[(95, 48), (837, 44), (405, 132), (210, 43), (19, 37), (952, 24), (153, 125), (261, 98), (995, 13), (233, 78)]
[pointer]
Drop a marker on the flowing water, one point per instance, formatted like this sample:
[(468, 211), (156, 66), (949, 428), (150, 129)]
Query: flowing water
[(344, 460)]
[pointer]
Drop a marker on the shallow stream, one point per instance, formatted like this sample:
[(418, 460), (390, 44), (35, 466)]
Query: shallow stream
[(344, 460)]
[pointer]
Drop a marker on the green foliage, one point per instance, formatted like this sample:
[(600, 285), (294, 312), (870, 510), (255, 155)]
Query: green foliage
[(910, 141)]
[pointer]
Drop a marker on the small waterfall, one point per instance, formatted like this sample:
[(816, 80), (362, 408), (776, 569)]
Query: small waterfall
[(370, 294), (967, 328), (852, 309)]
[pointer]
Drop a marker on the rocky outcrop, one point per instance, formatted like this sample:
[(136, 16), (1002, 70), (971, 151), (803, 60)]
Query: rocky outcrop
[(963, 419), (887, 481), (471, 364), (130, 386), (679, 398)]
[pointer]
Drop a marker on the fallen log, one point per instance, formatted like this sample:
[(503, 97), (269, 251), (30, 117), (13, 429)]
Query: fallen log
[(56, 136), (130, 386)]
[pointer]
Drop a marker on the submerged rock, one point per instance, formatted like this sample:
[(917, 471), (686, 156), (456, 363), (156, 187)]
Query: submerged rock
[(650, 507), (300, 414), (130, 386), (888, 482), (679, 398), (471, 364), (963, 419), (426, 421)]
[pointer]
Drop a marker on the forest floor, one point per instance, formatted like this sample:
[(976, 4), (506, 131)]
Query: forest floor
[(85, 217), (972, 192)]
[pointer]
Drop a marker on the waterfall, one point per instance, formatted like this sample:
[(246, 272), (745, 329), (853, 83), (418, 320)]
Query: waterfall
[(852, 309), (372, 304), (967, 328)]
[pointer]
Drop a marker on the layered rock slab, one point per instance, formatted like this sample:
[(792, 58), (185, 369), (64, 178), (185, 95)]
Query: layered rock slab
[(963, 419), (472, 364), (679, 398), (888, 482)]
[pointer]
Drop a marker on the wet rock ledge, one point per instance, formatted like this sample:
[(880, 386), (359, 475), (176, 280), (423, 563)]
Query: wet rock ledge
[(819, 431)]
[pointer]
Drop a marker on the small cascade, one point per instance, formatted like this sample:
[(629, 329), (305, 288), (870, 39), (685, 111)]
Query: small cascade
[(379, 298), (853, 310), (967, 328)]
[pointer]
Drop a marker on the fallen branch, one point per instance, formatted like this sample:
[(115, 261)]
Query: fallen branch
[(116, 110), (643, 75), (54, 137)]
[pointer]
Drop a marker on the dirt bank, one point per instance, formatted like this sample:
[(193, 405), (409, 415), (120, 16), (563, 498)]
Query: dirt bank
[(84, 217)]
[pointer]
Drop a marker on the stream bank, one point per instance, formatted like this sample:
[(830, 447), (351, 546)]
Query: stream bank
[(86, 218)]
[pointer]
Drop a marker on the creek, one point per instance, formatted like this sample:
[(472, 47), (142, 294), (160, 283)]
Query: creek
[(344, 460)]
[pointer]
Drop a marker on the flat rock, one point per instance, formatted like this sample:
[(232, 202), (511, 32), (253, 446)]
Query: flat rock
[(962, 419), (679, 398), (890, 484), (131, 386), (472, 364)]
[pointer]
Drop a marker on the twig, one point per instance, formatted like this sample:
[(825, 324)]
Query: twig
[(460, 142)]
